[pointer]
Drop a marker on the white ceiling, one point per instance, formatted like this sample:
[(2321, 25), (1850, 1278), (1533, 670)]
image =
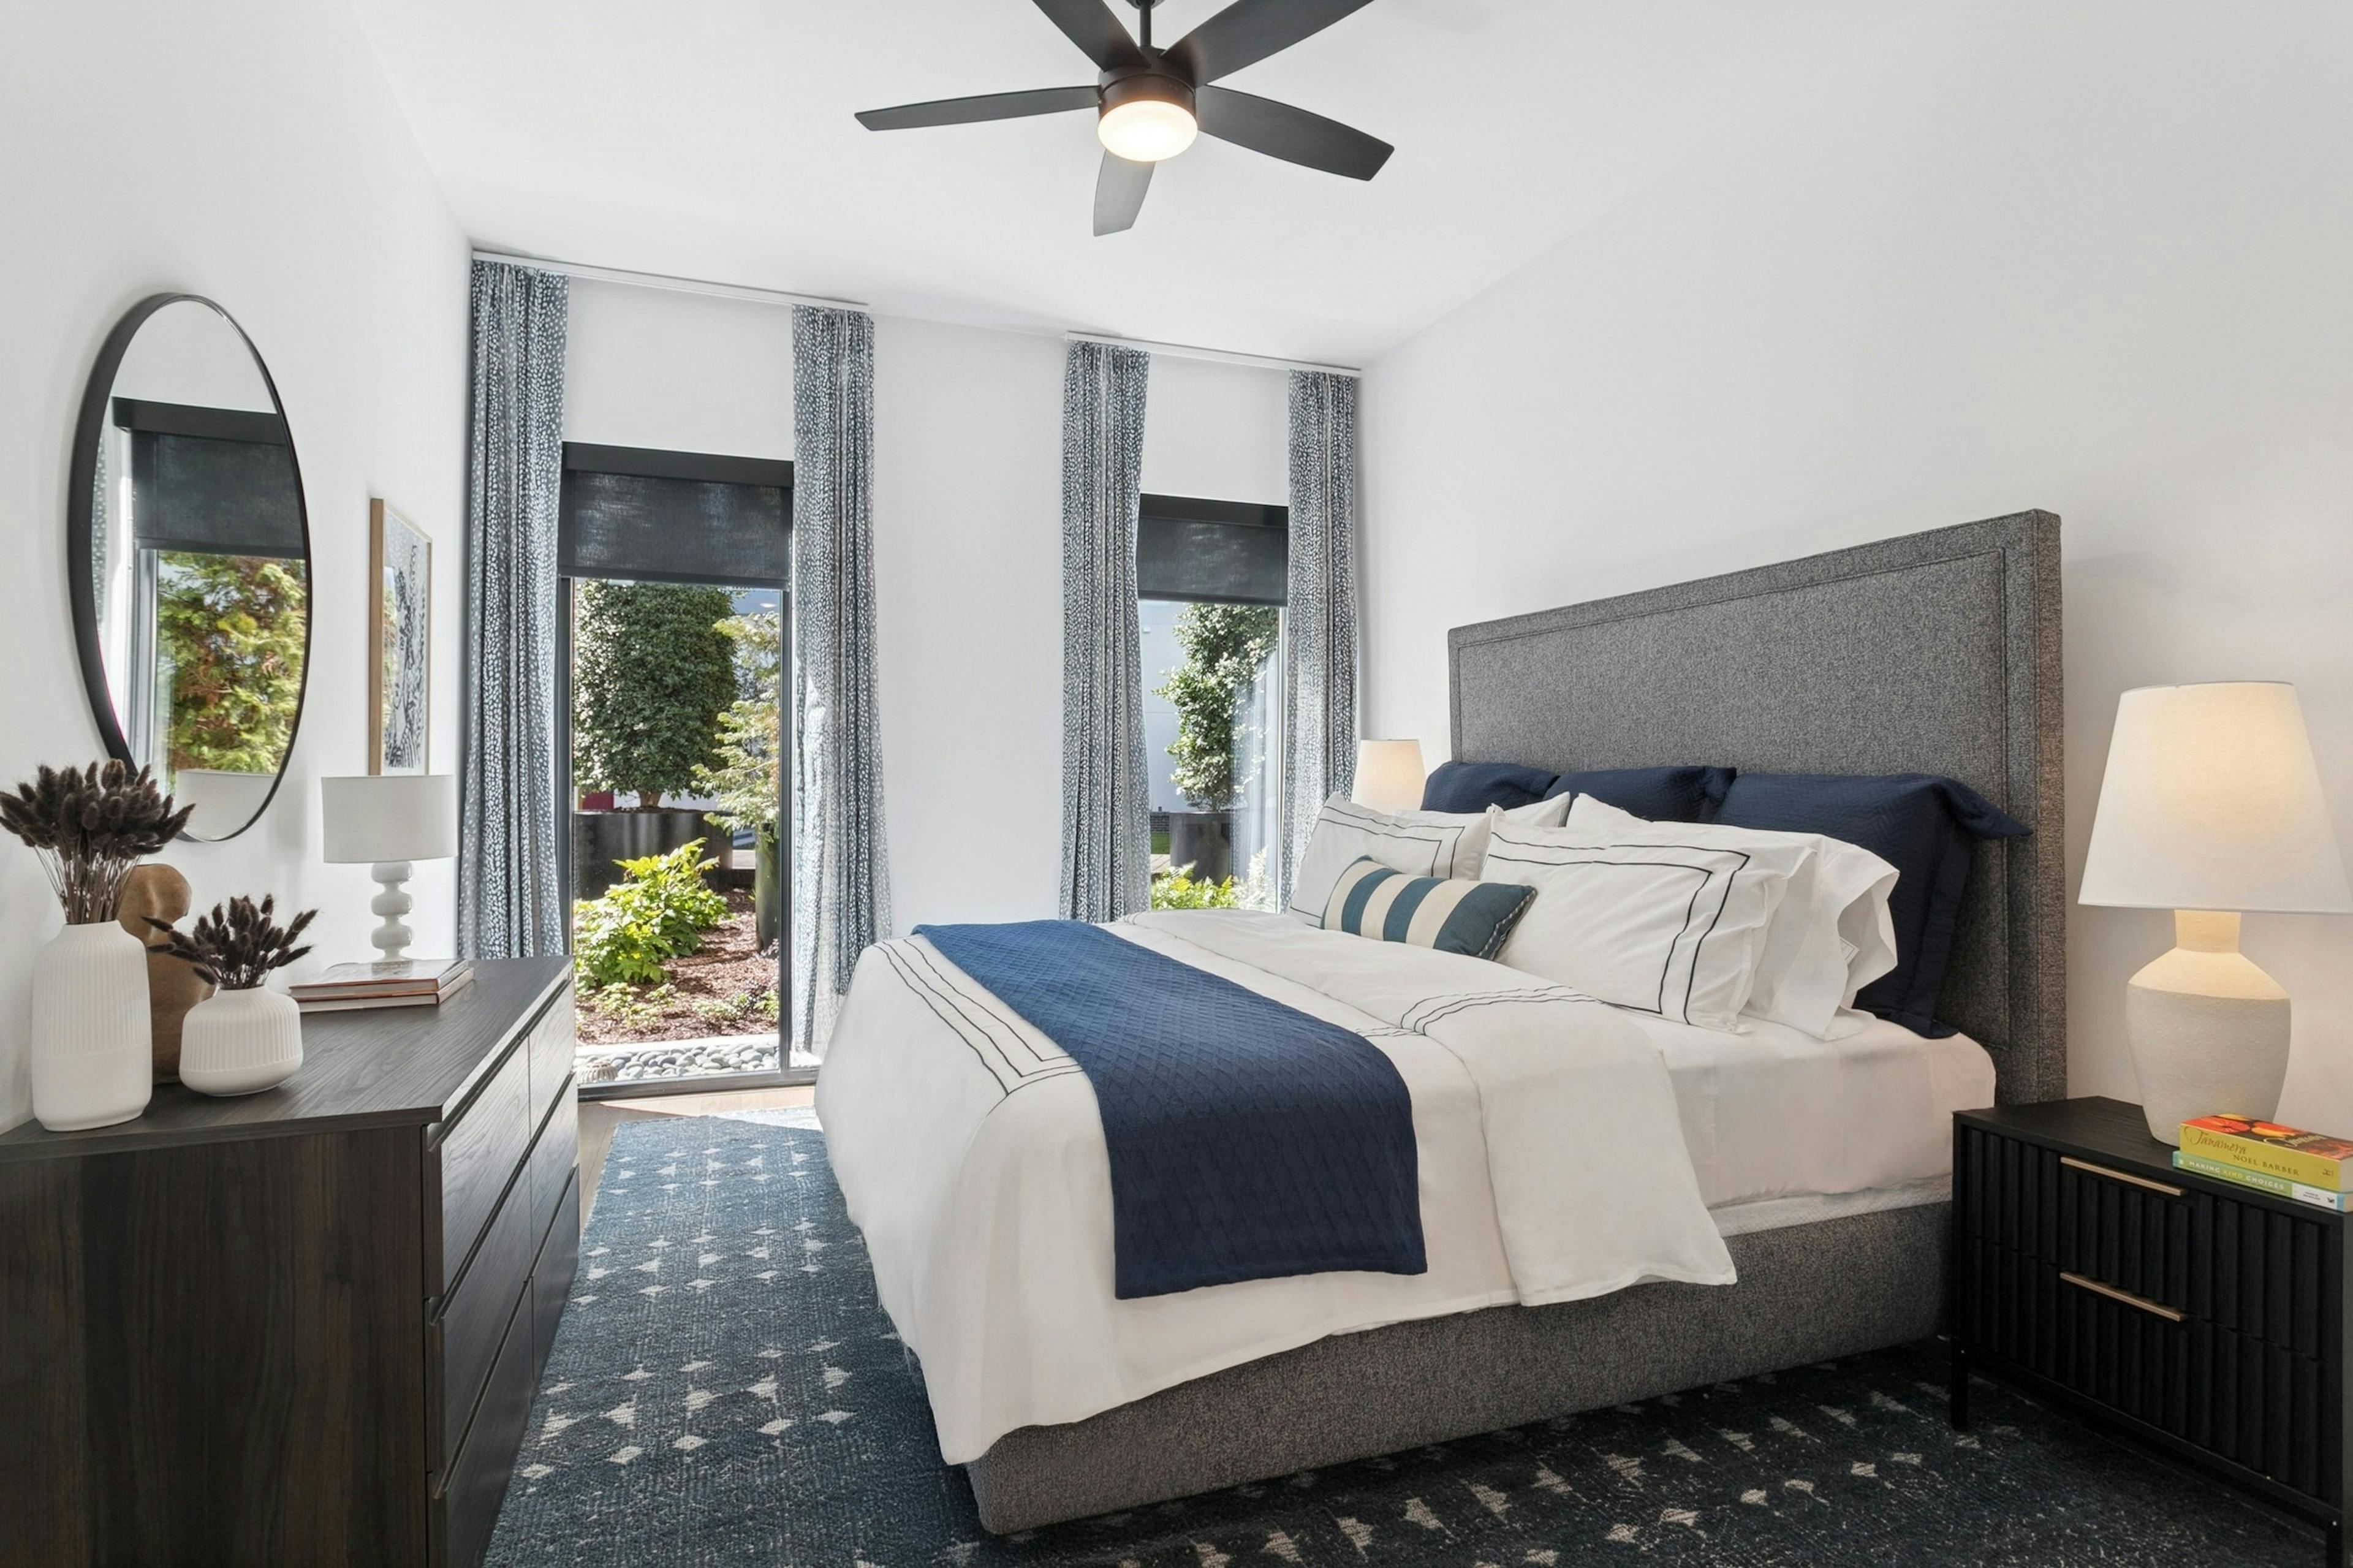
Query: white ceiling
[(714, 140)]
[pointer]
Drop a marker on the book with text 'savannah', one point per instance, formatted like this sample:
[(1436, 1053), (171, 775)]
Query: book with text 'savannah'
[(2291, 1154)]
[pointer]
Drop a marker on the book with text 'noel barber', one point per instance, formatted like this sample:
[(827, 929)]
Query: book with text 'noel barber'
[(2291, 1154), (2239, 1176)]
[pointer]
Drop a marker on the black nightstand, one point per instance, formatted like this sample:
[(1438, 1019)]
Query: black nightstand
[(2204, 1318)]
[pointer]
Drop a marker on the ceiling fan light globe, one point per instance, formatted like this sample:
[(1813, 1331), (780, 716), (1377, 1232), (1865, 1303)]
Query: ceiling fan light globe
[(1147, 130)]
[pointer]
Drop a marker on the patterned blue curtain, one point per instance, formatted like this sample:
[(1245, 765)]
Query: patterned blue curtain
[(1106, 794), (841, 869), (1319, 672), (507, 891)]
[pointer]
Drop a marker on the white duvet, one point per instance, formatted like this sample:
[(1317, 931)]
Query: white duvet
[(1551, 1165)]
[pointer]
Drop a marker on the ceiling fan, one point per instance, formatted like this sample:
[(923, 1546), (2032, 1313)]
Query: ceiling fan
[(1150, 103)]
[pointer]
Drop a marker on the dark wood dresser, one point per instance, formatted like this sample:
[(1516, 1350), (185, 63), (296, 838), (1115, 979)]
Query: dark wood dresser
[(306, 1325), (2204, 1318)]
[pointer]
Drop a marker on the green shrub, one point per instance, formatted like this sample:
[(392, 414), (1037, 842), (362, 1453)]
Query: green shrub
[(657, 912), (1177, 890), (651, 672), (1226, 651)]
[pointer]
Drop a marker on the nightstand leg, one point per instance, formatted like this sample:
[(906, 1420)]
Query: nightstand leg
[(2335, 1548), (1960, 1398)]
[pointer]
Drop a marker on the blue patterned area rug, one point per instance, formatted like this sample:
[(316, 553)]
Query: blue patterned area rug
[(725, 1390)]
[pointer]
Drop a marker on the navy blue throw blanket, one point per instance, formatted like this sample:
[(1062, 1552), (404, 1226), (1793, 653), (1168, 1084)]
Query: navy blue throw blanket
[(1247, 1140)]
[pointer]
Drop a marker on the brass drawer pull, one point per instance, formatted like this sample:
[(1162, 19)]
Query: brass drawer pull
[(2171, 1192), (2127, 1297)]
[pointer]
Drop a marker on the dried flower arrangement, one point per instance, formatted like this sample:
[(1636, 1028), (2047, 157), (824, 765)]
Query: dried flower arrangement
[(91, 827), (234, 948)]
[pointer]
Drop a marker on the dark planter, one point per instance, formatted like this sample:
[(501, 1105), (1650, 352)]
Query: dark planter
[(1203, 840), (599, 838), (767, 889)]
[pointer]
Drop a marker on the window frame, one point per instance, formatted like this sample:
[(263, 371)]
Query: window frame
[(707, 468)]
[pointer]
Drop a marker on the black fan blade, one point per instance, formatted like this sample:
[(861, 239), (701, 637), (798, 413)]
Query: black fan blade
[(967, 111), (1090, 25), (1279, 130), (1119, 192), (1249, 30)]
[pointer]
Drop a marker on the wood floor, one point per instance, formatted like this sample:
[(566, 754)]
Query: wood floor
[(599, 1117)]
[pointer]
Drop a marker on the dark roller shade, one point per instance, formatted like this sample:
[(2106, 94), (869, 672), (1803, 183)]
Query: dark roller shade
[(675, 516), (1228, 552), (227, 490)]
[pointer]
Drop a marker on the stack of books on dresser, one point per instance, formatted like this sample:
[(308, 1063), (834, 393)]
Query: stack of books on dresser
[(414, 983), (2286, 1161)]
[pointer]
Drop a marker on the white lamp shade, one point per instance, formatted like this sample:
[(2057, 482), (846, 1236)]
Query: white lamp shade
[(2213, 802), (390, 816), (1388, 775)]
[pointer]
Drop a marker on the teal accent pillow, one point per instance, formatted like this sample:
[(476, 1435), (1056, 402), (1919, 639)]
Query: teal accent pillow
[(1451, 914)]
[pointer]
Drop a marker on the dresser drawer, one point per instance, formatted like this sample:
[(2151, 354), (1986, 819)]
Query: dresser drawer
[(473, 1318), (553, 1040), (551, 1276), (465, 1502), (554, 1157), (476, 1155), (2194, 1311)]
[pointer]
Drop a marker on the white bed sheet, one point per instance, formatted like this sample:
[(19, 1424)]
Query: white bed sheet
[(1770, 1112)]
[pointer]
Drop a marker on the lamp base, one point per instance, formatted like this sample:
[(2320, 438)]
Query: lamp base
[(2208, 1029), (391, 938)]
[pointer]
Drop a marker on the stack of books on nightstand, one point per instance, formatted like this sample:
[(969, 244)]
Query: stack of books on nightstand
[(2286, 1161), (413, 983)]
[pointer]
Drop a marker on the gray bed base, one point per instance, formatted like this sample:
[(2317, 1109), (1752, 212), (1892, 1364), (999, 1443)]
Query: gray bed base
[(1807, 1293), (1937, 653)]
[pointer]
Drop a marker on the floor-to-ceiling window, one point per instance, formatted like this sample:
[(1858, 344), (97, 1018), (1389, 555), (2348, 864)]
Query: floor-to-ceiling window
[(1210, 579), (675, 618)]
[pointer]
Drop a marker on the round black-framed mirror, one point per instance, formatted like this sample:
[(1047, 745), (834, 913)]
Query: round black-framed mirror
[(189, 554)]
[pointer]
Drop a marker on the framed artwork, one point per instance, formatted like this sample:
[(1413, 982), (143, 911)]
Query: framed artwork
[(400, 643)]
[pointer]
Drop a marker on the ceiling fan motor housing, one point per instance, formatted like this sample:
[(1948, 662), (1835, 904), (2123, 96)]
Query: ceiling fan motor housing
[(1152, 81)]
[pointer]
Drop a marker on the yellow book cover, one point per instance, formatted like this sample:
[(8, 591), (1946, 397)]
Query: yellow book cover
[(2313, 1158)]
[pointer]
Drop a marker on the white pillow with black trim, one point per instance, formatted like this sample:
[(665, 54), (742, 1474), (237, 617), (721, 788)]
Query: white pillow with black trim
[(1419, 843), (1645, 919), (1831, 935)]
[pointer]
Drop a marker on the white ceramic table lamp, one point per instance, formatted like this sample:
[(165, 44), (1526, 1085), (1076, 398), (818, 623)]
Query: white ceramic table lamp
[(2211, 806), (388, 821), (1388, 775)]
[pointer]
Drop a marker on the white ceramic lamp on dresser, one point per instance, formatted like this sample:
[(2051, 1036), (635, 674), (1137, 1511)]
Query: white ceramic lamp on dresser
[(388, 821), (1388, 775), (2210, 807)]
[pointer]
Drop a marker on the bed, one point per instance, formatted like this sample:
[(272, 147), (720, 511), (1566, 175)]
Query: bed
[(1565, 1267)]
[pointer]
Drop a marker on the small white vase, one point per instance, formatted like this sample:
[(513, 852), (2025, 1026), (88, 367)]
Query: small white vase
[(93, 1056), (241, 1042)]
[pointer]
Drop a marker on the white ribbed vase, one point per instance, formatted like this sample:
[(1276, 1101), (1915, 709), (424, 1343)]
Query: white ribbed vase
[(241, 1042), (93, 1057)]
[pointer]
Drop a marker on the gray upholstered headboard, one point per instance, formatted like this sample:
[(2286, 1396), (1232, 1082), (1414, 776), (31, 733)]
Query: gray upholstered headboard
[(1936, 652)]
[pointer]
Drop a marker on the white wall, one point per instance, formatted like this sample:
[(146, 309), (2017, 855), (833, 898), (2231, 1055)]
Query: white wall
[(248, 151), (2092, 259), (678, 371), (967, 526)]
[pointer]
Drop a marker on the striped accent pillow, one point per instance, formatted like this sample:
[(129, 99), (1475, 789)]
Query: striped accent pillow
[(1450, 915)]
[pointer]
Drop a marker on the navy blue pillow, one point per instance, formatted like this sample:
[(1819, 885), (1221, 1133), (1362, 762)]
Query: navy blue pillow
[(1924, 826), (1661, 794), (1475, 786)]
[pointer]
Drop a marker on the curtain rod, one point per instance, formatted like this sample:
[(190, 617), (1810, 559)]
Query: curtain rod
[(1215, 357), (676, 285)]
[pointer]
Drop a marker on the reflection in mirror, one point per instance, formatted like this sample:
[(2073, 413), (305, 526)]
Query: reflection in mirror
[(198, 558)]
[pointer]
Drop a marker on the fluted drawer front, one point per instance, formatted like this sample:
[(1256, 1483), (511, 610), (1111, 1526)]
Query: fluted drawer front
[(2179, 1307)]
